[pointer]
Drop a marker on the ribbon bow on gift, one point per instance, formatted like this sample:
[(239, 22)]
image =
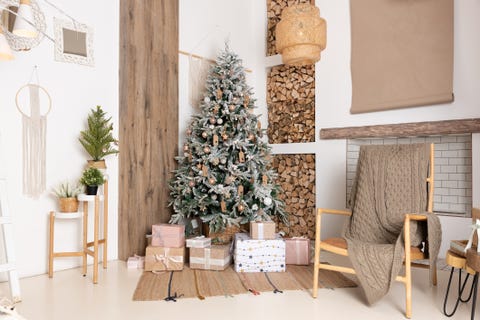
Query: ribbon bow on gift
[(475, 228), (165, 259)]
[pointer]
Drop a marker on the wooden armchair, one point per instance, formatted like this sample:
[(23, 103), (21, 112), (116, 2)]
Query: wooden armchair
[(339, 245)]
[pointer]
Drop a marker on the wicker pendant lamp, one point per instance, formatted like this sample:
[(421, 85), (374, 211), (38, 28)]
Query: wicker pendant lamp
[(5, 50), (301, 34)]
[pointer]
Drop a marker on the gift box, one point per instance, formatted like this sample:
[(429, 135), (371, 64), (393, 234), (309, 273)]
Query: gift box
[(168, 235), (217, 257), (136, 262), (199, 242), (297, 251), (252, 255), (161, 258), (262, 230)]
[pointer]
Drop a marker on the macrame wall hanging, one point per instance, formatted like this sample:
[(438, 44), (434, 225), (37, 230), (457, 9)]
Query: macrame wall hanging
[(34, 129)]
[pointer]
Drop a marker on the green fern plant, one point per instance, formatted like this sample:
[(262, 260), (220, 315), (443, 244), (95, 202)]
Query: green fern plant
[(97, 139)]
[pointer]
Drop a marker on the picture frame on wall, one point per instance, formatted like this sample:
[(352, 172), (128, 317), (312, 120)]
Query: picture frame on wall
[(73, 42)]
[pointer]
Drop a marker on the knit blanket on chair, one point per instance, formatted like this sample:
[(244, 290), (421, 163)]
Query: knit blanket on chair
[(390, 182)]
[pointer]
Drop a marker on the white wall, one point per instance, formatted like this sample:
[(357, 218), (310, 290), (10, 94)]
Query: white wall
[(204, 27), (74, 90), (333, 98)]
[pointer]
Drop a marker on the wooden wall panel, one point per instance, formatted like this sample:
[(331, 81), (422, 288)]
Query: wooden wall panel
[(148, 117)]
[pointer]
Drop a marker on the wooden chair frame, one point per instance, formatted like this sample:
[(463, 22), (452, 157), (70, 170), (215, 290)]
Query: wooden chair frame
[(409, 255)]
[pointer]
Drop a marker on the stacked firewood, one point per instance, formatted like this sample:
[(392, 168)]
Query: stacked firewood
[(296, 176), (274, 12), (291, 104)]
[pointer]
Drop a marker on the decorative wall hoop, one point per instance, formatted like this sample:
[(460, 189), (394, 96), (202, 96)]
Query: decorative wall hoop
[(41, 89)]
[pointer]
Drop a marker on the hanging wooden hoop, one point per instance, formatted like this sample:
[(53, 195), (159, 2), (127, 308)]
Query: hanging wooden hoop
[(41, 88)]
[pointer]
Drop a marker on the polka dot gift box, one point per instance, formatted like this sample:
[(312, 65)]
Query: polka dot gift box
[(259, 255)]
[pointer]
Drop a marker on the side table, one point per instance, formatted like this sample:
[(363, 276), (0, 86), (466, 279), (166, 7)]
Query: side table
[(473, 261), (94, 252), (51, 251)]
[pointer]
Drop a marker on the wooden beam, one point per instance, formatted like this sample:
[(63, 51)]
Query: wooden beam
[(148, 118), (411, 129)]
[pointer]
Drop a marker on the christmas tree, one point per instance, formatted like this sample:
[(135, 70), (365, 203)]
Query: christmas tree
[(224, 176)]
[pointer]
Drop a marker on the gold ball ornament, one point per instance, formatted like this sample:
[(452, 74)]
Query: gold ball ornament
[(212, 120), (185, 147), (191, 184), (212, 180), (189, 131), (204, 135), (240, 207), (206, 149), (224, 136), (251, 136), (231, 107)]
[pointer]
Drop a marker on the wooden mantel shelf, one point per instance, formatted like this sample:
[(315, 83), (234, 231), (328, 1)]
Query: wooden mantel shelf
[(410, 129)]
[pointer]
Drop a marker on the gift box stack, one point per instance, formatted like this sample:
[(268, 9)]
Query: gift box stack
[(260, 251), (167, 248), (204, 255)]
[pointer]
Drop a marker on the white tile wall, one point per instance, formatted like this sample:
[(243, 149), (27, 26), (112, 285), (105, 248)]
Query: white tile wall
[(453, 169)]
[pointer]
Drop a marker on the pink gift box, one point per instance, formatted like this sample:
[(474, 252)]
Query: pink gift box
[(168, 235), (297, 251), (136, 262)]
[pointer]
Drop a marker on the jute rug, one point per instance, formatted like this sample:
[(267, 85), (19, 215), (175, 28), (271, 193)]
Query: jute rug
[(190, 283)]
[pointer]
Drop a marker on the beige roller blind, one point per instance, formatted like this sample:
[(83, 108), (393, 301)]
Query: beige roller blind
[(402, 53)]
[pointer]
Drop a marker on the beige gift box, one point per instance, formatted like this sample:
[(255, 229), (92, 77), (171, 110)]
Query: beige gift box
[(217, 257), (162, 259), (262, 230)]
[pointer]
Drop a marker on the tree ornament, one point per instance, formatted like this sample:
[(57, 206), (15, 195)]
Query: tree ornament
[(267, 201), (215, 109), (189, 131), (231, 108), (224, 136), (219, 94), (223, 160), (215, 140), (259, 125), (215, 161), (246, 100), (206, 149), (212, 120), (219, 121), (227, 195), (191, 184), (228, 180), (223, 206), (214, 197), (251, 136), (185, 147), (241, 157), (240, 190), (204, 134), (264, 180), (199, 166), (212, 180), (240, 207), (204, 170)]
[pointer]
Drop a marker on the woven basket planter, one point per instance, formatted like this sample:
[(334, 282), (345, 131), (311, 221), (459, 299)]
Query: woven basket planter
[(68, 204), (225, 236)]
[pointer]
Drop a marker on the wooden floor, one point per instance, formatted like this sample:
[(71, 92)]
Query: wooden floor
[(70, 296)]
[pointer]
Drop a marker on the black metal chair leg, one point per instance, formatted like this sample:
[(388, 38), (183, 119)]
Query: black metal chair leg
[(474, 301), (461, 288)]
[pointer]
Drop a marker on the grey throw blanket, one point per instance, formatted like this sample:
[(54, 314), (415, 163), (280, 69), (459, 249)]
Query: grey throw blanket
[(390, 182)]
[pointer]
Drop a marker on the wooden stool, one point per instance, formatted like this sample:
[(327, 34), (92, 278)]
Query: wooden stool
[(473, 261), (94, 252), (51, 252), (456, 261)]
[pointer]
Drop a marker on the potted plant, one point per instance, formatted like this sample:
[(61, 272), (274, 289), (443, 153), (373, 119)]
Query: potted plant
[(67, 196), (97, 139), (91, 179)]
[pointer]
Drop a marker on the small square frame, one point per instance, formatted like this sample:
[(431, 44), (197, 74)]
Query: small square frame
[(60, 55)]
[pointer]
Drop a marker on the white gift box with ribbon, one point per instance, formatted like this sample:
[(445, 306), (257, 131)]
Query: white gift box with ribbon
[(199, 242)]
